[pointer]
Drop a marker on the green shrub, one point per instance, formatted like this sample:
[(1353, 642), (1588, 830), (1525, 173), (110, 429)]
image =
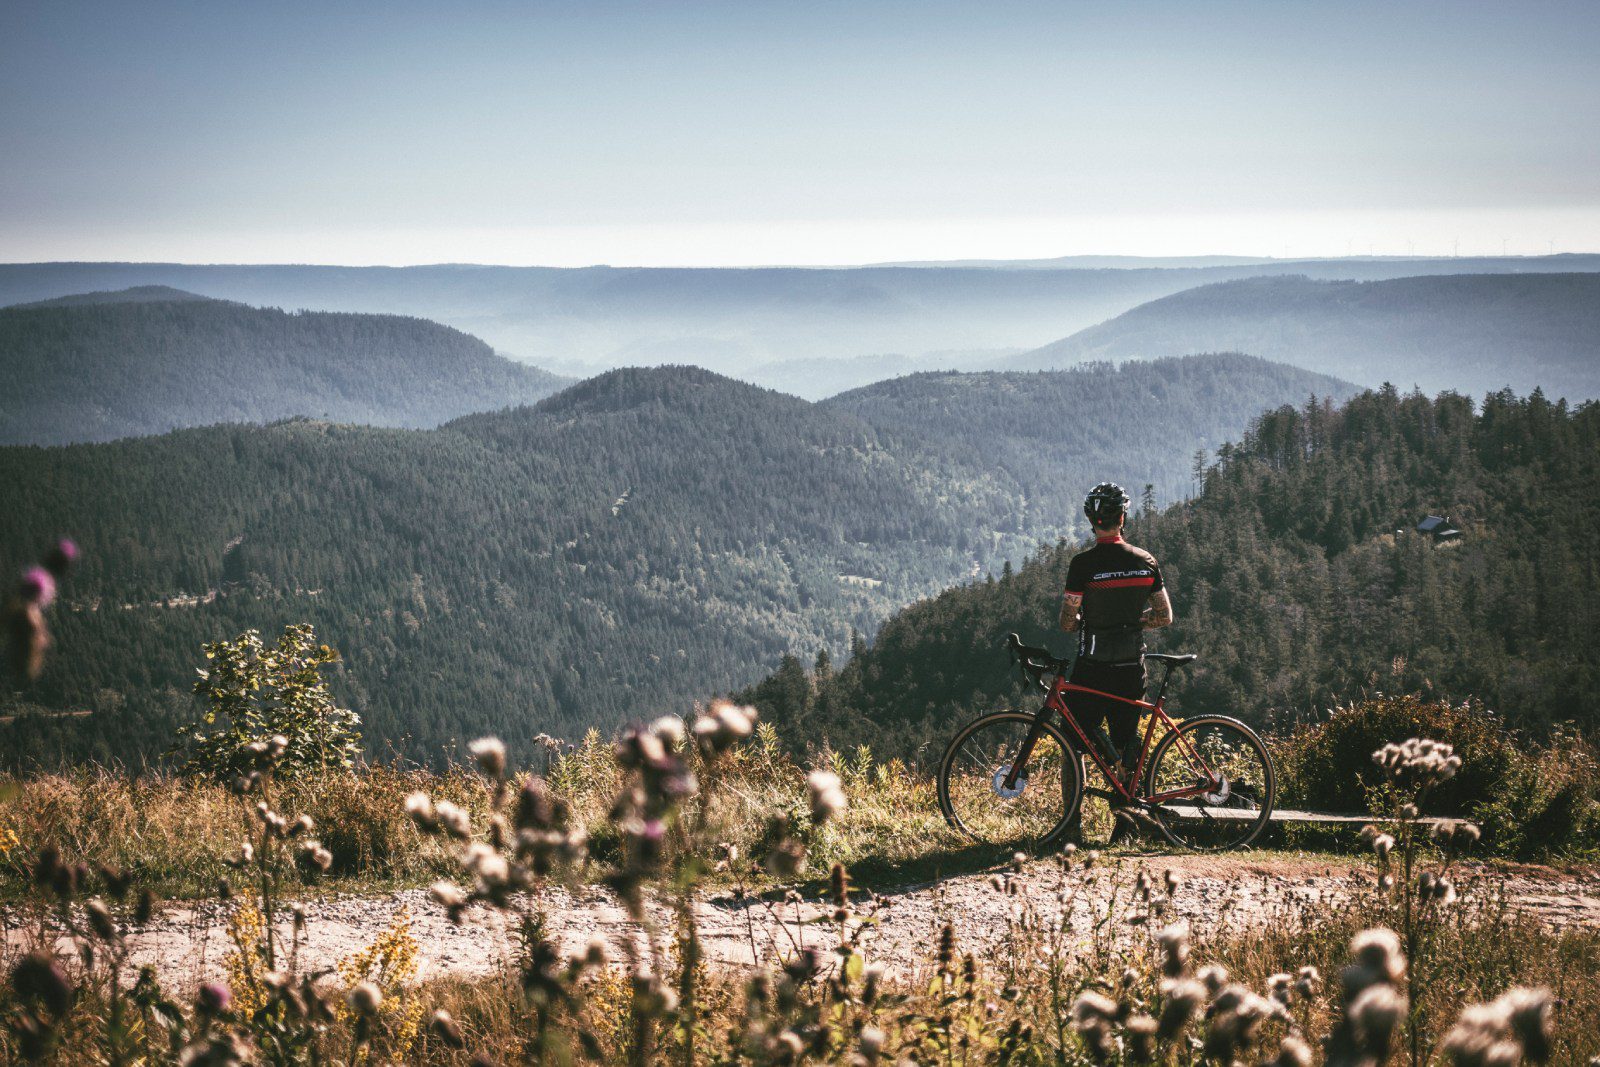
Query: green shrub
[(1549, 802), (1532, 801), (258, 694), (1327, 766)]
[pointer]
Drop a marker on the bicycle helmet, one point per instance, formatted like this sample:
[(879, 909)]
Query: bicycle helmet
[(1105, 504)]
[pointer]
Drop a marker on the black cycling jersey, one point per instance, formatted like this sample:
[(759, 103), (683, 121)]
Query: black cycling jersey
[(1115, 580)]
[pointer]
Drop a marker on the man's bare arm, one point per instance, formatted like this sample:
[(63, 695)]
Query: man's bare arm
[(1070, 603), (1159, 611)]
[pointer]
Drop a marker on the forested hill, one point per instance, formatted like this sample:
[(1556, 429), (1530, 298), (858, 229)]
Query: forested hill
[(1300, 580), (138, 294), (1474, 333), (97, 368), (1056, 433), (620, 550), (639, 541)]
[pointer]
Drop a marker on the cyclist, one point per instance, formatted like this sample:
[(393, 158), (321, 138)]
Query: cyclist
[(1114, 593)]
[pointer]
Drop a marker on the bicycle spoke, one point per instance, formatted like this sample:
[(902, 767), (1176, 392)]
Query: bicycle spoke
[(1219, 782), (974, 791)]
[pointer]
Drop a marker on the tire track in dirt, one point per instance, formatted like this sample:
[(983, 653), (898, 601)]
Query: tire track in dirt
[(187, 942)]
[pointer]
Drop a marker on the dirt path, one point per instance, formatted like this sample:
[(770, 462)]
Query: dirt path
[(188, 942)]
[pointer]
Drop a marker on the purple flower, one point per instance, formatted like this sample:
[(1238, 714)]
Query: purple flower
[(214, 998), (38, 586), (62, 556)]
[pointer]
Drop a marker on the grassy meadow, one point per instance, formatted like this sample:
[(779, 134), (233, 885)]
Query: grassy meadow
[(1407, 974)]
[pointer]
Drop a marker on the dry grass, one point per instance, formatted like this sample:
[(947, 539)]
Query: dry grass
[(173, 834), (1042, 994)]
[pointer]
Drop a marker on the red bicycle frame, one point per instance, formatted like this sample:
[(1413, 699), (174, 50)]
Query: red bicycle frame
[(1057, 702)]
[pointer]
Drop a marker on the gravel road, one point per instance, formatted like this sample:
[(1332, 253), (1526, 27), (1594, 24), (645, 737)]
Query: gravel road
[(188, 942)]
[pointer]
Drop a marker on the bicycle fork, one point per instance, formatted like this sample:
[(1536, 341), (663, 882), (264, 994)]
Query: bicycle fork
[(1025, 753)]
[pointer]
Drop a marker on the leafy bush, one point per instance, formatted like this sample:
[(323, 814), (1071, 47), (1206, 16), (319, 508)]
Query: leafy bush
[(1549, 801), (261, 693), (1328, 766), (1532, 801)]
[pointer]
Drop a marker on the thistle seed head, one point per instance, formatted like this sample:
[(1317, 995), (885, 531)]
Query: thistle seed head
[(723, 726), (1378, 951), (871, 1043), (419, 808), (1181, 999), (1213, 976), (444, 1027), (1174, 944), (1418, 763), (1140, 1032), (871, 980), (38, 981), (1093, 1007), (1374, 1016), (490, 754), (453, 820), (365, 999), (100, 920), (1292, 1052), (1528, 1011), (826, 794)]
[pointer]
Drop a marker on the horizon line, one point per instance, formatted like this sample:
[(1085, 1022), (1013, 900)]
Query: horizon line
[(1042, 262)]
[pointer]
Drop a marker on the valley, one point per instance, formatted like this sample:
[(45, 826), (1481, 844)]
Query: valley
[(661, 534)]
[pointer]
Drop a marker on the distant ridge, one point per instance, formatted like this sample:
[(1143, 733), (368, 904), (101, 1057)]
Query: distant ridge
[(100, 366), (1057, 432), (1090, 262), (138, 294), (1473, 333), (737, 320)]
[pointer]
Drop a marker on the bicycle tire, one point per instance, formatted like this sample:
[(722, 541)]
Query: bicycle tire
[(1218, 835), (995, 828)]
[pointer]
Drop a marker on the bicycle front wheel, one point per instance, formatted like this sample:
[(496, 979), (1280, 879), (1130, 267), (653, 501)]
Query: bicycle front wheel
[(1219, 782), (973, 795)]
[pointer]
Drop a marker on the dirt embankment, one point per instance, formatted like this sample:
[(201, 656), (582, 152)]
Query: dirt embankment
[(188, 942)]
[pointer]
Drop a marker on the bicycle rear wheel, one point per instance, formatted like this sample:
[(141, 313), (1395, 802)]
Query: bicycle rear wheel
[(972, 791), (1232, 773)]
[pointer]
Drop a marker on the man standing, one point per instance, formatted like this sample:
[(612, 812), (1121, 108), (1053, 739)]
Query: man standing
[(1114, 593)]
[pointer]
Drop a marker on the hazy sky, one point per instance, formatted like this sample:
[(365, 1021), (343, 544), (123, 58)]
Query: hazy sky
[(798, 132)]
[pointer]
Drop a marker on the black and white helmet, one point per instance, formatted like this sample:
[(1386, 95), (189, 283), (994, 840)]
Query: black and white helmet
[(1105, 504)]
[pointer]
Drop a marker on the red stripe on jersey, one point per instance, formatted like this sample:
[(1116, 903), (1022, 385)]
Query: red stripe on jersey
[(1122, 583)]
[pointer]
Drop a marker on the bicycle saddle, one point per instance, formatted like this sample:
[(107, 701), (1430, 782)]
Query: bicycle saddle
[(1171, 661)]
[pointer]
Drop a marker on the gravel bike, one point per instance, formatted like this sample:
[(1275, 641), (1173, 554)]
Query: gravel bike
[(1017, 778)]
